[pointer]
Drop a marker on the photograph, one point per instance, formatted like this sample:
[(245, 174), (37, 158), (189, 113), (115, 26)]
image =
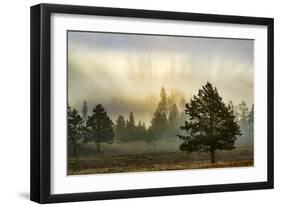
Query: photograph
[(152, 102), (130, 103)]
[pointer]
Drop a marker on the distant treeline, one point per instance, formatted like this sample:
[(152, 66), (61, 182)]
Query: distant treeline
[(245, 119), (167, 122), (99, 127)]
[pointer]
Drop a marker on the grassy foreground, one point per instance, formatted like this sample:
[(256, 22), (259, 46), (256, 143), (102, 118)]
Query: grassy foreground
[(157, 161)]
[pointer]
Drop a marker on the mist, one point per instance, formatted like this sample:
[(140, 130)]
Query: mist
[(125, 72)]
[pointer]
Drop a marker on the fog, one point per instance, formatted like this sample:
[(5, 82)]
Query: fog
[(125, 72)]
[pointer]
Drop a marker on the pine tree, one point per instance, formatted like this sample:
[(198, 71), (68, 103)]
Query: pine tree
[(211, 124), (120, 128), (251, 116), (159, 120), (173, 121), (85, 110), (162, 105), (140, 132), (182, 116), (130, 127), (243, 113), (250, 119), (173, 115), (75, 128), (131, 121), (100, 127)]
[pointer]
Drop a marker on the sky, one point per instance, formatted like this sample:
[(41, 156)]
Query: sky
[(125, 72)]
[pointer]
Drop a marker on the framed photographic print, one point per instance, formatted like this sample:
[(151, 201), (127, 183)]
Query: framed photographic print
[(133, 103)]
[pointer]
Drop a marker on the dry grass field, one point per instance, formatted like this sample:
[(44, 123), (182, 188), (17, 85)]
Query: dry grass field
[(155, 161)]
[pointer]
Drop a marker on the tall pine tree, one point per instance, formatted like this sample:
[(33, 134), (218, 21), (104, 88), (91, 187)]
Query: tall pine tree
[(75, 129), (159, 120), (173, 122), (250, 129), (211, 124), (243, 113), (173, 115), (85, 110), (100, 127), (130, 127), (120, 128)]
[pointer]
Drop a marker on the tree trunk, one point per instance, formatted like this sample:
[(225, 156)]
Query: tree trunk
[(213, 156), (98, 146)]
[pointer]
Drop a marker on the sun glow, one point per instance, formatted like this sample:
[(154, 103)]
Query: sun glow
[(129, 70)]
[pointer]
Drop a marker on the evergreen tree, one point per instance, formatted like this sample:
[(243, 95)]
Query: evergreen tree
[(143, 126), (120, 128), (250, 131), (173, 115), (182, 116), (100, 127), (85, 110), (131, 121), (162, 105), (140, 131), (159, 120), (130, 127), (173, 122), (243, 114), (75, 128), (211, 124), (251, 116)]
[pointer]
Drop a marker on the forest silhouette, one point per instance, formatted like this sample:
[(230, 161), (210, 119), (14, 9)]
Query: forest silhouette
[(204, 124)]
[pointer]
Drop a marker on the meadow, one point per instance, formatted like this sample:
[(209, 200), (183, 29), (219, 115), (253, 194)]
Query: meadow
[(158, 156)]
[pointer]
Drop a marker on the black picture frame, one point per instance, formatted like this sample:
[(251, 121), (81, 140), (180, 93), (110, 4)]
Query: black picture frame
[(41, 98)]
